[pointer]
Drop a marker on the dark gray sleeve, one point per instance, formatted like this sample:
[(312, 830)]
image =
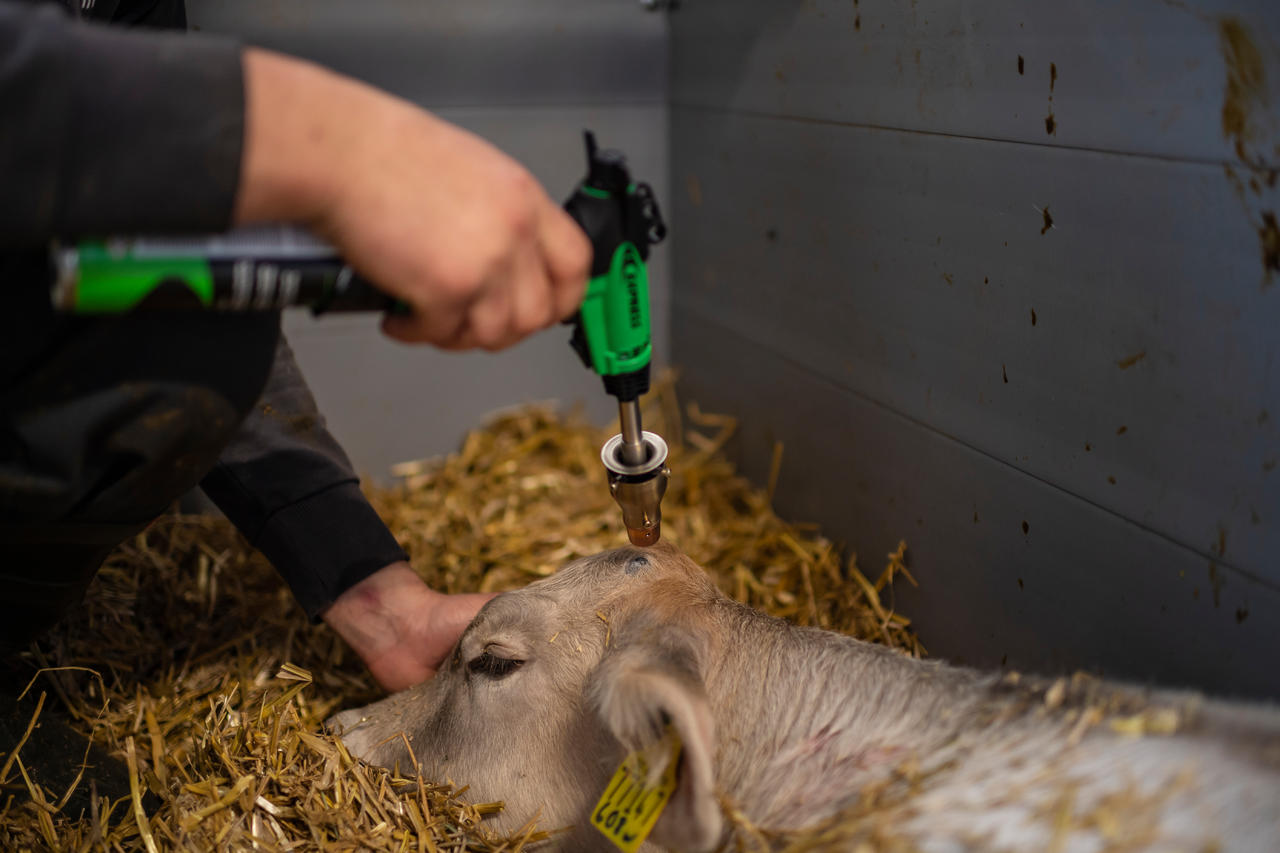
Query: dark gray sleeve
[(287, 485), (105, 130)]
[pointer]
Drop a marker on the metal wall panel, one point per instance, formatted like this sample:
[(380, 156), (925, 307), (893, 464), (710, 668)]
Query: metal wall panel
[(526, 76), (1077, 587), (473, 53), (1143, 76), (909, 271), (873, 222)]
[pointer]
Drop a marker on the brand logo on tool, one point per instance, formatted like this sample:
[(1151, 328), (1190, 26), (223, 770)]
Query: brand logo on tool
[(632, 270)]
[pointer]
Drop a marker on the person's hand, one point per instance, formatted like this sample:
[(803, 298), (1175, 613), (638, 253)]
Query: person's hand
[(402, 629), (433, 215)]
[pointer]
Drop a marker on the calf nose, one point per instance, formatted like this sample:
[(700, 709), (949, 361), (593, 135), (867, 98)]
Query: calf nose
[(358, 733), (341, 723)]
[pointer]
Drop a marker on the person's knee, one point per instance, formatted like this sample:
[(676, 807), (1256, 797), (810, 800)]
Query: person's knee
[(127, 414)]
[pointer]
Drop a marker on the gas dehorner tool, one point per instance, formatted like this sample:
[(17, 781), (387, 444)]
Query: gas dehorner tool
[(611, 329), (263, 269)]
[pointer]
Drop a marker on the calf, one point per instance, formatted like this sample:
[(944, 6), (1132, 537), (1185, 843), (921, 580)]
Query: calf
[(785, 729)]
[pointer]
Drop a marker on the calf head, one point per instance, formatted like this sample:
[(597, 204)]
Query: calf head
[(552, 685)]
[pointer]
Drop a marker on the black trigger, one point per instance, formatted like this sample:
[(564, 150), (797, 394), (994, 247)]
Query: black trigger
[(579, 340)]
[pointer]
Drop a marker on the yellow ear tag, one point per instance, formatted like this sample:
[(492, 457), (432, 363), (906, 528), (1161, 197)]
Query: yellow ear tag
[(628, 809)]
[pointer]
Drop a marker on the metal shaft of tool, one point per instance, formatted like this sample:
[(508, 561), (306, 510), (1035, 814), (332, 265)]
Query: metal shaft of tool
[(632, 447)]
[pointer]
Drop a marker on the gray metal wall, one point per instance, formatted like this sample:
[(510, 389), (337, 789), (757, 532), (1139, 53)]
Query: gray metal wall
[(1003, 278), (526, 76)]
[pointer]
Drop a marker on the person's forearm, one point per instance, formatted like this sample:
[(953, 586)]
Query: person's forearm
[(433, 215), (301, 123), (284, 481)]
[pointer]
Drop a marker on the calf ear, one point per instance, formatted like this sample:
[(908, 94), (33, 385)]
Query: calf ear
[(641, 686)]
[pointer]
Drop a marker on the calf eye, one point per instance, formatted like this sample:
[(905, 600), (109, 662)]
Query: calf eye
[(492, 666)]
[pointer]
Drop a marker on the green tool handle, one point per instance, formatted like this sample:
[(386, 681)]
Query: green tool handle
[(612, 328), (270, 268), (246, 270)]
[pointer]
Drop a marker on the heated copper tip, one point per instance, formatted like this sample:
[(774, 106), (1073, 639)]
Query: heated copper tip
[(643, 537)]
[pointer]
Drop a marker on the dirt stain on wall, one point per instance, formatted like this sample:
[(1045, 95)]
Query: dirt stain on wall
[(1130, 361), (1246, 83), (1050, 122), (1269, 233), (1245, 104)]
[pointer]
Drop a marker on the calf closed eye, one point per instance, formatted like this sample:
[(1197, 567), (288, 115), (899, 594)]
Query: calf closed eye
[(492, 666)]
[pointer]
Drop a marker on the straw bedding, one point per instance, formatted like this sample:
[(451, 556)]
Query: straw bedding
[(189, 660)]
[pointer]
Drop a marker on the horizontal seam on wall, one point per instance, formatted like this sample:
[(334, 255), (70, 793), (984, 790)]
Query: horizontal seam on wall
[(864, 397), (829, 122), (602, 101)]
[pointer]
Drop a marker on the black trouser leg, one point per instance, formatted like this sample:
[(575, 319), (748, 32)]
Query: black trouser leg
[(103, 424), (44, 570)]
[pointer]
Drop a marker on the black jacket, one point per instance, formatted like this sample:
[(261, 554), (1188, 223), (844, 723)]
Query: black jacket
[(105, 130)]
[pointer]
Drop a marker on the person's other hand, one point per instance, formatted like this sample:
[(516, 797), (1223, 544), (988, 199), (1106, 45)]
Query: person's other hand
[(432, 214), (402, 629)]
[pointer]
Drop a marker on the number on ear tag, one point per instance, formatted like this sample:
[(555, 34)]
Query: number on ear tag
[(628, 809)]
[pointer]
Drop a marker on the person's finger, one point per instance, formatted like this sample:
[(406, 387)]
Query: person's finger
[(533, 308), (566, 251), (441, 326), (447, 621), (489, 317)]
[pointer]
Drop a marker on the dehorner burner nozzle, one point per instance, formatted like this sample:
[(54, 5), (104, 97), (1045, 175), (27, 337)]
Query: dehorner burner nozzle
[(638, 487)]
